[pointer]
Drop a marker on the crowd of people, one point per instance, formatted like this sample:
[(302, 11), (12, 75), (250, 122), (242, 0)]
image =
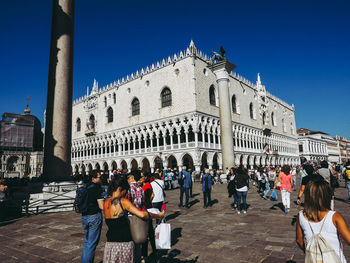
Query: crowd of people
[(116, 196)]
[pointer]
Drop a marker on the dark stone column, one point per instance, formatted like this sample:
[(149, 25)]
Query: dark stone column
[(58, 125)]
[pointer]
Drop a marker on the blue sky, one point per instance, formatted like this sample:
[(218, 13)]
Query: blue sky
[(300, 48)]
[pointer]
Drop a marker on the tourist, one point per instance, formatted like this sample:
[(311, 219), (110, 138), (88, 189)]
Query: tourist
[(184, 188), (324, 171), (149, 195), (317, 218), (347, 177), (207, 187), (92, 218), (158, 191), (242, 183), (286, 181), (3, 199), (258, 179), (136, 194), (119, 246), (311, 176), (294, 176), (265, 181), (190, 190), (231, 187)]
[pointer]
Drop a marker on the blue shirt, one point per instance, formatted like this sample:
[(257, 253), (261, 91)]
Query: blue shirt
[(210, 182), (188, 180)]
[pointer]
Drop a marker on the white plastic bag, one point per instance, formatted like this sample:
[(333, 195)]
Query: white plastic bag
[(163, 236)]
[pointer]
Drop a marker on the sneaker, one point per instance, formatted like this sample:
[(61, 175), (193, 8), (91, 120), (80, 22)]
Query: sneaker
[(244, 212), (264, 197), (238, 212)]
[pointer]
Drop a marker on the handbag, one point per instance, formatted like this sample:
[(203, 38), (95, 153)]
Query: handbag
[(163, 235), (138, 227)]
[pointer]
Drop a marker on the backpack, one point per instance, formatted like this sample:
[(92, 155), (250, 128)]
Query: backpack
[(181, 179), (318, 250), (81, 199)]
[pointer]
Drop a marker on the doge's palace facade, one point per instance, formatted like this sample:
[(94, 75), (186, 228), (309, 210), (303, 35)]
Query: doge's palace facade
[(167, 115)]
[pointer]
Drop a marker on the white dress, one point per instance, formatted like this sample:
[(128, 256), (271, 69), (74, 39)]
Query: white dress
[(329, 232)]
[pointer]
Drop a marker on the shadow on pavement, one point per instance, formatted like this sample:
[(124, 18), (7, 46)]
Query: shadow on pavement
[(279, 205), (175, 234), (172, 216), (193, 202), (170, 257), (215, 201), (341, 200), (194, 195)]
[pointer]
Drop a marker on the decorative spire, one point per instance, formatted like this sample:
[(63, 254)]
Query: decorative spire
[(193, 48), (94, 87), (27, 110), (258, 83)]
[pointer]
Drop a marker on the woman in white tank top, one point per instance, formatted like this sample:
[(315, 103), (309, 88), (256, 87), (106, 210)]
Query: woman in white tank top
[(310, 220)]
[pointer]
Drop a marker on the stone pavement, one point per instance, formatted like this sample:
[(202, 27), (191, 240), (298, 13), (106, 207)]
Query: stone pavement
[(216, 234)]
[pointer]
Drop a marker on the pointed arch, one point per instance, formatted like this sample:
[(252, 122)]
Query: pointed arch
[(166, 97), (251, 110), (212, 95), (78, 125), (234, 103), (135, 107), (109, 115)]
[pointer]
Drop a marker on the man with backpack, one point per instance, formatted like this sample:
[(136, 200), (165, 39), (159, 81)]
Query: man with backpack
[(91, 204), (185, 182)]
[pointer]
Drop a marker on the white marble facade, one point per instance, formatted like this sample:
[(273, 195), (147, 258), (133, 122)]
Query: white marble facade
[(167, 114)]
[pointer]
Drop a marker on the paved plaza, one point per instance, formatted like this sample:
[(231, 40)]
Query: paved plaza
[(216, 234)]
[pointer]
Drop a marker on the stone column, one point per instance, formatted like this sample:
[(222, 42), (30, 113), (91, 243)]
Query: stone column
[(221, 70), (58, 128)]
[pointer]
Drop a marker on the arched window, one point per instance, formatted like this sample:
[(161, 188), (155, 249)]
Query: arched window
[(166, 97), (135, 107), (78, 125), (91, 123), (212, 98), (264, 118), (273, 119), (110, 115), (251, 110), (105, 101), (234, 104), (291, 128), (114, 98)]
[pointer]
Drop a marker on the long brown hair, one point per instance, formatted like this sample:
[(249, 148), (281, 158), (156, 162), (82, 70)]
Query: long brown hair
[(318, 196)]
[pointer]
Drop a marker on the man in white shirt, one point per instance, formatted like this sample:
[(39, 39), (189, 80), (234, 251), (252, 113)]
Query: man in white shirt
[(158, 191)]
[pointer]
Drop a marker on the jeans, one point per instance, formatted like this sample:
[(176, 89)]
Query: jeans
[(242, 195), (348, 185), (182, 191), (207, 198), (267, 189), (92, 225), (294, 183)]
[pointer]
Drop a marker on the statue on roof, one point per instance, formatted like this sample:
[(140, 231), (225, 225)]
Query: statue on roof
[(217, 56)]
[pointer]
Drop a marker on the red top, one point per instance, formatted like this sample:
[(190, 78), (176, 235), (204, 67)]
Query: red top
[(286, 181), (147, 186)]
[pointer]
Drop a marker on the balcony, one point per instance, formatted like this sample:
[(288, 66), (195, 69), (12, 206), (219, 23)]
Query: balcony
[(90, 132)]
